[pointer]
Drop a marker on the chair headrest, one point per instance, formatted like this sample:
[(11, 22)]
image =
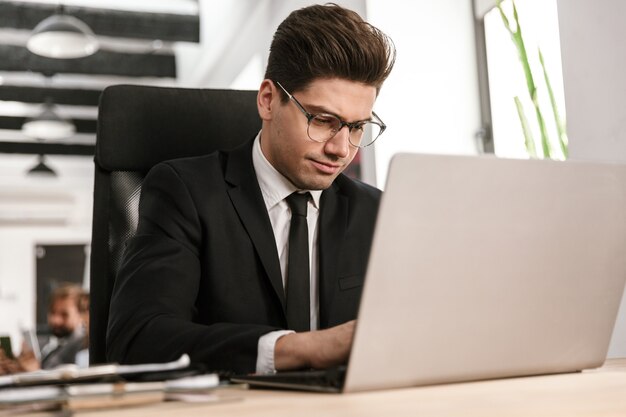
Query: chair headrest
[(140, 126)]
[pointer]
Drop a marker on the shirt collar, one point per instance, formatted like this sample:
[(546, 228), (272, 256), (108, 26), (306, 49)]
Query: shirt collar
[(274, 186)]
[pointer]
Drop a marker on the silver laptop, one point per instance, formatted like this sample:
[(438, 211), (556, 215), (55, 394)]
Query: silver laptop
[(486, 268)]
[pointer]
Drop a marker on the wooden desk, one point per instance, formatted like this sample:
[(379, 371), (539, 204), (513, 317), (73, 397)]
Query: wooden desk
[(599, 392)]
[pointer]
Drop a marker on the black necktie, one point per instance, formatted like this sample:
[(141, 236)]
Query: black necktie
[(298, 304)]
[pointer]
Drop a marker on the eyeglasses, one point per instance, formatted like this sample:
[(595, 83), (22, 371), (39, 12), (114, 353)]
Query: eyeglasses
[(323, 127)]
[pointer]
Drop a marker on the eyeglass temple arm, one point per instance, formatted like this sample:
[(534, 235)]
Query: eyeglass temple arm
[(383, 126), (292, 98), (309, 115)]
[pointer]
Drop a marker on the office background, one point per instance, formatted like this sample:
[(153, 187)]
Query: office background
[(432, 102)]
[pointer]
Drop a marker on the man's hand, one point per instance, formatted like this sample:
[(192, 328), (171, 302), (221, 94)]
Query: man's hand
[(317, 349), (8, 365), (27, 360)]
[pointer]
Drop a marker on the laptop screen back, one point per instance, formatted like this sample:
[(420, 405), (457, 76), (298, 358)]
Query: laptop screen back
[(484, 267)]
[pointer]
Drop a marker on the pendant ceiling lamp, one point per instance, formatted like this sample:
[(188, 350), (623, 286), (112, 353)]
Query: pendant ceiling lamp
[(62, 36), (41, 169), (48, 125)]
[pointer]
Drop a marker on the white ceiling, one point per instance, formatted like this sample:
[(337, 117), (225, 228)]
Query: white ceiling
[(157, 6), (234, 41), (23, 196)]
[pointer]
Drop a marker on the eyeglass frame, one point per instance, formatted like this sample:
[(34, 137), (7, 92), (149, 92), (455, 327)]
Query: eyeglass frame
[(350, 125)]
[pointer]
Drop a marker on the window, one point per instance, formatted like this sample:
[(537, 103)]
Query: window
[(539, 23)]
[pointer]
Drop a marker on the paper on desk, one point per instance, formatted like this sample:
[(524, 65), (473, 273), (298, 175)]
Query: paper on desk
[(61, 393), (193, 383), (108, 395), (72, 373), (181, 363), (80, 396), (197, 388), (30, 394)]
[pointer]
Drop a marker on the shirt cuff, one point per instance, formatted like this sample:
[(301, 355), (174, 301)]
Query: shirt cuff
[(265, 351)]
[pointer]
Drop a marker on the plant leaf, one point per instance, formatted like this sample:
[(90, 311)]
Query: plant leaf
[(558, 120), (529, 141)]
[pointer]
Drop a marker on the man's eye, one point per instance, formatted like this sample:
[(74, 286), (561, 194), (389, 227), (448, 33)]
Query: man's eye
[(324, 121)]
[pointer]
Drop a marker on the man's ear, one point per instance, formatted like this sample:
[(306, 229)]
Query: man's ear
[(266, 99)]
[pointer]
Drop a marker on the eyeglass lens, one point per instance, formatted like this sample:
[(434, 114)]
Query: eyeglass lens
[(323, 127)]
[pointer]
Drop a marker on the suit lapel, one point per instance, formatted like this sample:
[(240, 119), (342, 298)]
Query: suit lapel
[(246, 197), (333, 223)]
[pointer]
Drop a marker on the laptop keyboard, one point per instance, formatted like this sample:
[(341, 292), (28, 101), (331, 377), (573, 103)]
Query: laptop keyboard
[(331, 378)]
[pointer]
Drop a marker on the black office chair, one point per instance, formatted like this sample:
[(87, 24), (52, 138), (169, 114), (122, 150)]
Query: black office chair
[(138, 127)]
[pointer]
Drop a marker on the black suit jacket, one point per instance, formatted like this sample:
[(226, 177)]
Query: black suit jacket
[(202, 274)]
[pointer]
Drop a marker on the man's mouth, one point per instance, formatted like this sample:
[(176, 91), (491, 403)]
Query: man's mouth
[(326, 167)]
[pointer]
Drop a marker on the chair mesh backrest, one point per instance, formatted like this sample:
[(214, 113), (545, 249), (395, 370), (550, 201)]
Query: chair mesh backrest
[(124, 213), (138, 127)]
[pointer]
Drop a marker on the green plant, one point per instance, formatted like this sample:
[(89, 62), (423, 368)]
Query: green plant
[(547, 147)]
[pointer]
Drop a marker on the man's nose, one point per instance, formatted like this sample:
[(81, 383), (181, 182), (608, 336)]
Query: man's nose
[(339, 145)]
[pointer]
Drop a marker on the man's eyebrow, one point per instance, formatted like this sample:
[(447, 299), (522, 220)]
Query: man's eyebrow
[(315, 109)]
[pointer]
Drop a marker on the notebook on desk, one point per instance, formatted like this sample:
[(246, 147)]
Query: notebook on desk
[(485, 268)]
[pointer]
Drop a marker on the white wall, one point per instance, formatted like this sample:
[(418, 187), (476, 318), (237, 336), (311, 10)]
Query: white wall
[(232, 35), (594, 68), (430, 102), (37, 211), (18, 272)]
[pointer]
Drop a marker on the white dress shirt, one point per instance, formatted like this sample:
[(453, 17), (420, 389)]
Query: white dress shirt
[(275, 188)]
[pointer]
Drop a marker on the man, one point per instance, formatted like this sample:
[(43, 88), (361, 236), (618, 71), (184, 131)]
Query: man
[(210, 272), (65, 320), (82, 356)]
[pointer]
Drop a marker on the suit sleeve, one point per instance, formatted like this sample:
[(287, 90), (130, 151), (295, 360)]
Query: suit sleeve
[(153, 304)]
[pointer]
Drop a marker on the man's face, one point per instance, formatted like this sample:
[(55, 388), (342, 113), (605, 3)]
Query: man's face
[(63, 317), (307, 164)]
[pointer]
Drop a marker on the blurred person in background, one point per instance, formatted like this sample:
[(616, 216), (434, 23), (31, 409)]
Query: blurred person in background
[(82, 357), (66, 319)]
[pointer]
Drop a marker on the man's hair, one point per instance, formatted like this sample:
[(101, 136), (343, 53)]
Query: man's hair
[(68, 291), (83, 303), (328, 41)]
